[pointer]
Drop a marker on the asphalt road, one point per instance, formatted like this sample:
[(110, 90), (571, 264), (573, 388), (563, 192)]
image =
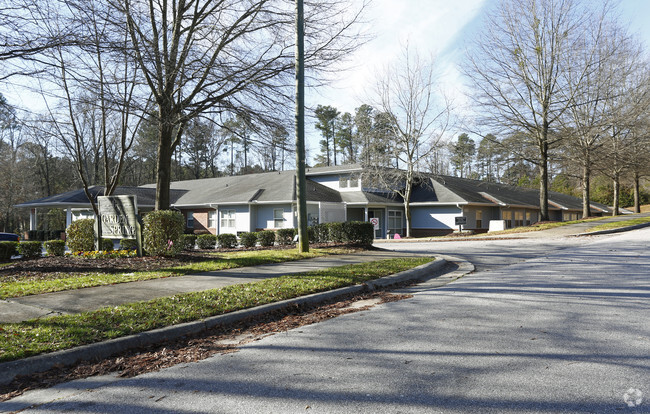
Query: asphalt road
[(541, 327)]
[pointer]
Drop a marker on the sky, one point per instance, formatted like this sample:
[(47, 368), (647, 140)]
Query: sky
[(441, 28)]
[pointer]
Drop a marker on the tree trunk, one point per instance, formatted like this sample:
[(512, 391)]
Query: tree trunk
[(543, 183), (637, 197), (164, 166), (616, 194), (586, 178)]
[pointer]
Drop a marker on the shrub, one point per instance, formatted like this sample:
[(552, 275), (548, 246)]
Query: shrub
[(359, 232), (54, 234), (206, 241), (8, 249), (266, 238), (320, 233), (107, 245), (188, 241), (162, 232), (336, 233), (248, 239), (30, 249), (227, 241), (80, 235), (129, 244), (55, 247), (284, 237)]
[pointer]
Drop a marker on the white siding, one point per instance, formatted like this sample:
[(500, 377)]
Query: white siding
[(265, 216), (242, 219), (332, 212), (434, 217)]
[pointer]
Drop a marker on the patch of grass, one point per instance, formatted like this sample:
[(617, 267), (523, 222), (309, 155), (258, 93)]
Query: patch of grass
[(543, 226), (221, 261), (20, 340), (619, 224)]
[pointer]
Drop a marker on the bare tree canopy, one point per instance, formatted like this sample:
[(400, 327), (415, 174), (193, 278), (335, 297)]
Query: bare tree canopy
[(226, 56), (521, 67), (419, 115)]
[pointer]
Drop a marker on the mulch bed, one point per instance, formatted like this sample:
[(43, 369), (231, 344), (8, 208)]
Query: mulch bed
[(55, 267), (220, 340)]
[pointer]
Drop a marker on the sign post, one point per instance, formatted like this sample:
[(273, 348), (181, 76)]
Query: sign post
[(118, 218), (460, 221)]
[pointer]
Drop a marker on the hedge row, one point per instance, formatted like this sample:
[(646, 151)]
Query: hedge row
[(44, 235), (163, 236)]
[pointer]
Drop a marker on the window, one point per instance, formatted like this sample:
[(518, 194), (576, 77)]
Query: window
[(227, 218), (507, 216), (395, 222), (343, 181), (190, 219), (354, 180), (278, 218), (479, 219), (519, 218), (212, 219)]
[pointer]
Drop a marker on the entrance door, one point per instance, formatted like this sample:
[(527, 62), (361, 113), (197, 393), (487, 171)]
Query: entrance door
[(379, 215)]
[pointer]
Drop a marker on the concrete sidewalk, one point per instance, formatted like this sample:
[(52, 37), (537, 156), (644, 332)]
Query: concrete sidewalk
[(79, 300), (579, 229)]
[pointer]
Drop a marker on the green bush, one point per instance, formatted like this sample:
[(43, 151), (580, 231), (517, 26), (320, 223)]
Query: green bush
[(8, 249), (227, 241), (80, 235), (336, 233), (284, 237), (30, 249), (162, 232), (360, 233), (266, 238), (128, 244), (248, 239), (320, 233), (55, 247), (107, 245), (206, 241), (188, 241)]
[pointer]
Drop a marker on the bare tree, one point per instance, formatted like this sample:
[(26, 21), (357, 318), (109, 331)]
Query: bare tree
[(419, 116), (520, 67), (627, 126), (225, 56), (613, 55), (94, 83)]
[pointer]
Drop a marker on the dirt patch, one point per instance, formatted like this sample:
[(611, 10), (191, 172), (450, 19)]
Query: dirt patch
[(220, 340)]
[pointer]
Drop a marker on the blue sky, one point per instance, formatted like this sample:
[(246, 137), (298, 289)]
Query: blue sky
[(437, 27)]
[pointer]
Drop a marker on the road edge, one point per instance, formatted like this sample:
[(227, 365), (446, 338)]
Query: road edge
[(40, 363)]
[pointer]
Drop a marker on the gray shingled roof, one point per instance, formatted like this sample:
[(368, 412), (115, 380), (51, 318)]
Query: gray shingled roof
[(263, 187), (454, 189), (77, 198)]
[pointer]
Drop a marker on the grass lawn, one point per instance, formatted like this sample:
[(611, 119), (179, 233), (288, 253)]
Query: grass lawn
[(545, 226), (619, 224), (20, 340), (23, 286)]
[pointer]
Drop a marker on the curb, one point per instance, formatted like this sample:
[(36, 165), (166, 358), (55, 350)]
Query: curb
[(617, 230), (39, 363)]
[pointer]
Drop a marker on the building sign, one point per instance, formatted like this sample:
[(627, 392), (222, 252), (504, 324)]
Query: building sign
[(118, 216), (461, 220)]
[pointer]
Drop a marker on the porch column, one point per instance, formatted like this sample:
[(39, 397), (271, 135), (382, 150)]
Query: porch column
[(33, 219), (365, 213), (68, 216)]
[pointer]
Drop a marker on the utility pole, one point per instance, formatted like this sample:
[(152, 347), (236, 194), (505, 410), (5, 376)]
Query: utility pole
[(301, 180)]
